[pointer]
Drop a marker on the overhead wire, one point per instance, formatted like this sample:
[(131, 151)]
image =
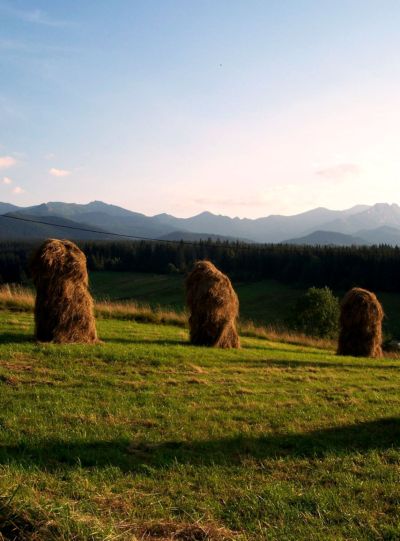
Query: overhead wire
[(123, 235)]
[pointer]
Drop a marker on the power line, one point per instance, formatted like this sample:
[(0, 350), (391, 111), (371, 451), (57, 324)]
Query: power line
[(135, 237)]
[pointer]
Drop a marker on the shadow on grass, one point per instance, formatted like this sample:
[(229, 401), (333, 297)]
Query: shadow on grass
[(157, 341), (15, 524), (294, 363), (16, 338), (380, 435)]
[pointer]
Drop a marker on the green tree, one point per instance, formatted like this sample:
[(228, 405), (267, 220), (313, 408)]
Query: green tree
[(317, 313), (171, 269)]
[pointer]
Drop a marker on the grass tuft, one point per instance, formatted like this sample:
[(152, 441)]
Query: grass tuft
[(280, 334), (16, 298)]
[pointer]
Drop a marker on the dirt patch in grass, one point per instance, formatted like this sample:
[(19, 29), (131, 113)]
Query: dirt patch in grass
[(244, 391), (16, 367), (15, 381), (9, 380), (196, 381), (198, 369), (145, 423), (173, 531)]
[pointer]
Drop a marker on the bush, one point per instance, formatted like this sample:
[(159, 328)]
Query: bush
[(317, 313), (171, 269)]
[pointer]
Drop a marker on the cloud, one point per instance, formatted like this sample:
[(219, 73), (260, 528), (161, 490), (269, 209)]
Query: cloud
[(34, 16), (7, 180), (7, 161), (230, 202), (18, 190), (340, 171), (59, 172), (33, 48)]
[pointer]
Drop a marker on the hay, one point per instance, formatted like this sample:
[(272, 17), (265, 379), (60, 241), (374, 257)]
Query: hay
[(213, 307), (64, 306), (361, 317)]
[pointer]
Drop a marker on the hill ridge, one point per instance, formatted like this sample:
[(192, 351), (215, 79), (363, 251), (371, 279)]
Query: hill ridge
[(363, 222)]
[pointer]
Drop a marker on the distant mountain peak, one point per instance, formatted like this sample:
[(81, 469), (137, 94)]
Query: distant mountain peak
[(375, 221), (384, 206), (97, 203), (206, 213), (7, 207)]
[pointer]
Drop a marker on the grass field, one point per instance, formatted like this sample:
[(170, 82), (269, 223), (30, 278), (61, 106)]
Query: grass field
[(146, 437), (152, 289), (266, 302)]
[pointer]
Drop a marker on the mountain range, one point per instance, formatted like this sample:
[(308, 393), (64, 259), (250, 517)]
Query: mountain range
[(362, 224)]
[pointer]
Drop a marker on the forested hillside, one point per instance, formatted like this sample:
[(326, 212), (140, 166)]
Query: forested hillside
[(376, 267)]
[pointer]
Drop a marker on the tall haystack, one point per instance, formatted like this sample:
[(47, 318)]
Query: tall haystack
[(64, 306), (361, 317), (213, 307)]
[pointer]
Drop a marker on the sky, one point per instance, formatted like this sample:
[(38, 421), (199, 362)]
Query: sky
[(240, 107)]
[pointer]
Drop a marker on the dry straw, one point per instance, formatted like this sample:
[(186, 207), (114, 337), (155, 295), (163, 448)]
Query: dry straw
[(213, 307), (64, 306), (361, 317)]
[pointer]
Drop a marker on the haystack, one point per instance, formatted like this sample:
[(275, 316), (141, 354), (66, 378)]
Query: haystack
[(64, 306), (213, 307), (361, 317)]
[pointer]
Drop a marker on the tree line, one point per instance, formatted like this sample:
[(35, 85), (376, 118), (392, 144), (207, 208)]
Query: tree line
[(372, 267)]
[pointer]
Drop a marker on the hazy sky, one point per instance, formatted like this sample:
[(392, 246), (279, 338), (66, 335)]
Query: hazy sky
[(240, 107)]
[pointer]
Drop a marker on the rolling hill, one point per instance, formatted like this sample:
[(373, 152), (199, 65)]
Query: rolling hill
[(328, 238), (56, 227)]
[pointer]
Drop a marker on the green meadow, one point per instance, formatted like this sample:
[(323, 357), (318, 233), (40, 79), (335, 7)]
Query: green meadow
[(265, 302), (144, 437)]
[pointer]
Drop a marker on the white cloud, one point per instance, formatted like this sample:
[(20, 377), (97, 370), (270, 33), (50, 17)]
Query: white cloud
[(230, 201), (340, 171), (18, 190), (7, 180), (59, 172), (32, 48), (7, 161), (34, 16)]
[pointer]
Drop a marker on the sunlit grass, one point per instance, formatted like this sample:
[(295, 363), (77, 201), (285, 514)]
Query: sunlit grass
[(22, 299), (146, 437)]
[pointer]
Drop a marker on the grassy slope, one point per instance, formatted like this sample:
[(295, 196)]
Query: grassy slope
[(144, 435), (152, 289), (266, 302)]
